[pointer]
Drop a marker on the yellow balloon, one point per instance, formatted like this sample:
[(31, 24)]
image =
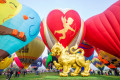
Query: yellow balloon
[(31, 52), (9, 9), (6, 62)]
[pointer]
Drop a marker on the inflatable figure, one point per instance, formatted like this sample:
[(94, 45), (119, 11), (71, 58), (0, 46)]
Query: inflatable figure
[(9, 9), (17, 31), (67, 60)]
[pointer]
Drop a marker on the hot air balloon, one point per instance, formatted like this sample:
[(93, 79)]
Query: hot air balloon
[(50, 60), (6, 62), (96, 62), (88, 49), (19, 25), (17, 61), (44, 63), (103, 30), (31, 52), (36, 64), (108, 59), (65, 27)]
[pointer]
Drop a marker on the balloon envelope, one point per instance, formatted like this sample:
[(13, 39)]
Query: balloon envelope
[(6, 62), (65, 27), (37, 63), (96, 62), (108, 59), (31, 52), (17, 61), (88, 49), (103, 30), (44, 62)]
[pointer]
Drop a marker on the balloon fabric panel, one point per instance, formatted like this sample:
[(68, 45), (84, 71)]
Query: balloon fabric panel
[(31, 52), (6, 62), (96, 62), (106, 30)]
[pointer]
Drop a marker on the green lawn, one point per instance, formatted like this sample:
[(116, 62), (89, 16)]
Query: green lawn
[(55, 76)]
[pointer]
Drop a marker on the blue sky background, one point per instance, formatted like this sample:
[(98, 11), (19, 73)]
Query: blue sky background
[(85, 8)]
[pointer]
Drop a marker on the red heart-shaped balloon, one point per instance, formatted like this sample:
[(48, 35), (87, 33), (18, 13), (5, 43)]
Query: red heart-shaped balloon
[(65, 27)]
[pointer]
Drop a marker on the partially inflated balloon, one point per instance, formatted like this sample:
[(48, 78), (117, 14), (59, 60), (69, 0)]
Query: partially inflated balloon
[(64, 26), (19, 25), (96, 62), (17, 61), (103, 30), (31, 52), (108, 59), (36, 64), (6, 62), (88, 49), (44, 62), (50, 59)]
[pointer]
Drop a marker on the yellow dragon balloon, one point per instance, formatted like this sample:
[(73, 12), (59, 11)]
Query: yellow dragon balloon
[(67, 60)]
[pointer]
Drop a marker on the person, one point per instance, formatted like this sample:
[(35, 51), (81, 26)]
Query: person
[(8, 75), (99, 72), (18, 73), (93, 72), (115, 71), (110, 72), (24, 72), (106, 73), (11, 72)]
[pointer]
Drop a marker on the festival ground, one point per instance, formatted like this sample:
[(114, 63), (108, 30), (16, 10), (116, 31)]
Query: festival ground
[(55, 76)]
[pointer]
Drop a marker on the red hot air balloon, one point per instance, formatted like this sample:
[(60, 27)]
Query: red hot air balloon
[(65, 27), (103, 30)]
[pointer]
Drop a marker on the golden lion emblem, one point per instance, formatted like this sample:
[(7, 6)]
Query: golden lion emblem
[(66, 60)]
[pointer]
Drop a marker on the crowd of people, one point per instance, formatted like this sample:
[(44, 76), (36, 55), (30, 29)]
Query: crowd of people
[(9, 73), (109, 72)]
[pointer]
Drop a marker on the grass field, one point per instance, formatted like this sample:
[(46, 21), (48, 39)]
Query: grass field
[(55, 76)]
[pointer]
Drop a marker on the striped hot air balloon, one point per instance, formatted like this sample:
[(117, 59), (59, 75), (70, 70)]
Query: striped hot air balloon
[(28, 54)]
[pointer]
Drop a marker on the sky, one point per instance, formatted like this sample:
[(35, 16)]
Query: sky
[(85, 8)]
